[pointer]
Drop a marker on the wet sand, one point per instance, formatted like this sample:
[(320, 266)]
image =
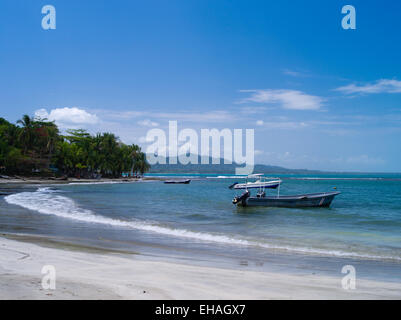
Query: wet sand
[(84, 273)]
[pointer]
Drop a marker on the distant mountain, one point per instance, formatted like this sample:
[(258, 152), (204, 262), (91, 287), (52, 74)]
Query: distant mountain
[(221, 168)]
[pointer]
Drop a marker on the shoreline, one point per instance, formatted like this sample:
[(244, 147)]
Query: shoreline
[(92, 271), (289, 257), (72, 180), (154, 177), (107, 274)]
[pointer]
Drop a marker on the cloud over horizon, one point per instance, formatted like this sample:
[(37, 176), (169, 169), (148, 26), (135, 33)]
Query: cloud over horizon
[(68, 117), (379, 86), (286, 99)]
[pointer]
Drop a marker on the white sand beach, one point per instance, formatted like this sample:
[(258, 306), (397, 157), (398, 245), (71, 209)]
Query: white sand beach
[(88, 275)]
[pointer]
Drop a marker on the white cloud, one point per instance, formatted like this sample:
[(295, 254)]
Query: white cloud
[(285, 125), (121, 115), (207, 116), (68, 117), (287, 99), (121, 122), (181, 116), (42, 114), (147, 123), (260, 122), (293, 73), (380, 86), (340, 132), (253, 110)]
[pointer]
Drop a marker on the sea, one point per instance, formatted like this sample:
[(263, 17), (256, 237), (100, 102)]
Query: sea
[(198, 224)]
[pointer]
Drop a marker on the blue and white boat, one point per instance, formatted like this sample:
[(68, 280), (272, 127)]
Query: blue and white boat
[(261, 182)]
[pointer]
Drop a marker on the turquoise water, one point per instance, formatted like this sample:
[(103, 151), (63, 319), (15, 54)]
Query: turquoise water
[(363, 223)]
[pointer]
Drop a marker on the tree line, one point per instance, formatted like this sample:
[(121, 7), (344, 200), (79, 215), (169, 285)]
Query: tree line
[(34, 146)]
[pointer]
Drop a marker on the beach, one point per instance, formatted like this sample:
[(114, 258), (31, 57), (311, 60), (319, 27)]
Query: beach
[(112, 240), (112, 275), (200, 150)]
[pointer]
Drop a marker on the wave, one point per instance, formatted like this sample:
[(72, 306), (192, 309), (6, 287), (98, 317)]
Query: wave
[(99, 182), (227, 177), (341, 178), (48, 190), (47, 201), (313, 178)]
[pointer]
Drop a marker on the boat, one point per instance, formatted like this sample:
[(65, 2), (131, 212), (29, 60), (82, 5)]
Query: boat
[(261, 182), (187, 181), (308, 200)]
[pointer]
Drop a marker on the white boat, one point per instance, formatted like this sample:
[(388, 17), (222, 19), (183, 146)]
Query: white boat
[(261, 182)]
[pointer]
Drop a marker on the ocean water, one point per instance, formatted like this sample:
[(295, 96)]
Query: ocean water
[(362, 226)]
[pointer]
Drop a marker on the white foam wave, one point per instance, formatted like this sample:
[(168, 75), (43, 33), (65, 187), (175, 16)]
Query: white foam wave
[(98, 182), (48, 190), (46, 201), (227, 177), (334, 178)]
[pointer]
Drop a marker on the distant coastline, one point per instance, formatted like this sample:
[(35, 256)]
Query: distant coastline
[(229, 169)]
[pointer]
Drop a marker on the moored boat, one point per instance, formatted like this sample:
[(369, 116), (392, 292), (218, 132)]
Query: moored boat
[(261, 182), (187, 181), (322, 199)]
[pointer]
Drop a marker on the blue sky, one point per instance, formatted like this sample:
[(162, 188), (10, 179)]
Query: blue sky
[(318, 96)]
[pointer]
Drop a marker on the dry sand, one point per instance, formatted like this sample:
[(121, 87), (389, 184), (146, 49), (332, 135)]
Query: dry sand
[(102, 275)]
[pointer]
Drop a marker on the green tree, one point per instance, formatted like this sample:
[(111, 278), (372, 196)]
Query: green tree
[(37, 144), (26, 134)]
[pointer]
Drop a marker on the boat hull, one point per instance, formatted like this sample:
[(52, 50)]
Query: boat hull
[(257, 185), (177, 181), (295, 201)]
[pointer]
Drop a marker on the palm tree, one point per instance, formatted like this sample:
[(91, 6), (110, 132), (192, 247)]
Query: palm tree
[(144, 166), (109, 149), (26, 133), (141, 165), (135, 151), (52, 138)]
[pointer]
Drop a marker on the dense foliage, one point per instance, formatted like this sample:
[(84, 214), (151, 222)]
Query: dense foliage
[(35, 146)]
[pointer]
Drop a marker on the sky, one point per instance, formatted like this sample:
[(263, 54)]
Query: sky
[(317, 96)]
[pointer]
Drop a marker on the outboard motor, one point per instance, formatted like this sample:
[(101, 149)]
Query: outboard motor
[(242, 198)]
